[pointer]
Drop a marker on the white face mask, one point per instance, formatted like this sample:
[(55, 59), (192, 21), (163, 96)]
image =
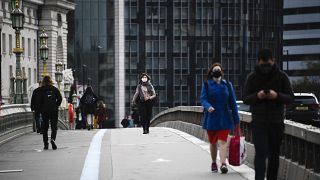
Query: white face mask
[(144, 79)]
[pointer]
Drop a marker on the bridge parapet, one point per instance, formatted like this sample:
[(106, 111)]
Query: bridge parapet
[(300, 150), (18, 119)]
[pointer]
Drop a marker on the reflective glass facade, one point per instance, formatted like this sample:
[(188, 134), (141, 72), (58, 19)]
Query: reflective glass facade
[(176, 41), (93, 45)]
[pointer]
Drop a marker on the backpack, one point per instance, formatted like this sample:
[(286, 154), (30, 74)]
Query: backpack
[(89, 100), (49, 102)]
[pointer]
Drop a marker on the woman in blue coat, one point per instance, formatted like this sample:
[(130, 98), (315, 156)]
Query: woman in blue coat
[(221, 114)]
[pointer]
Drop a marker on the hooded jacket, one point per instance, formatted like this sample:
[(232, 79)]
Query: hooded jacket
[(268, 111)]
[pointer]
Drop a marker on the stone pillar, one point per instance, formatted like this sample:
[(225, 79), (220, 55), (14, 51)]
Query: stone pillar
[(119, 62)]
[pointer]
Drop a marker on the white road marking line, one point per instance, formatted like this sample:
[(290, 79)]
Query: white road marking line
[(91, 166), (11, 171)]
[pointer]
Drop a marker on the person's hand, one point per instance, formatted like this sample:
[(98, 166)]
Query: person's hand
[(146, 98), (262, 95), (211, 109), (272, 94)]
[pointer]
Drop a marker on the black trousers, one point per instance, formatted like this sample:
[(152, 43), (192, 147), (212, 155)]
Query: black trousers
[(145, 110), (267, 138), (37, 120), (51, 118)]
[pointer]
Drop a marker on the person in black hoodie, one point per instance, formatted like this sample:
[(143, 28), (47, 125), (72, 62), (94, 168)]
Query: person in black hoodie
[(89, 103), (50, 100), (36, 108), (267, 90)]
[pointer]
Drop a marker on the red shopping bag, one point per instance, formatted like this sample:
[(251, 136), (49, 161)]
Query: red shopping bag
[(237, 150)]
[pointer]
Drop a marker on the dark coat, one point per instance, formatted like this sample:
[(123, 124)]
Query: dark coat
[(268, 111), (88, 108), (43, 107), (35, 100), (225, 115)]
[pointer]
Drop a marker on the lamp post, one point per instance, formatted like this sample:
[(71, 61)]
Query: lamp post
[(58, 74), (44, 50), (67, 86), (17, 18)]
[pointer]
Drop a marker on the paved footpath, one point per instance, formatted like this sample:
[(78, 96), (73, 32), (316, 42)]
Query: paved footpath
[(117, 154)]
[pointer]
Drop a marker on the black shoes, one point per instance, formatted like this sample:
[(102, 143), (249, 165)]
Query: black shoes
[(146, 131), (46, 146), (223, 169), (54, 146)]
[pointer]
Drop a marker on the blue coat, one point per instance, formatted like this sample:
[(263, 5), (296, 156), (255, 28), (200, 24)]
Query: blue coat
[(222, 118)]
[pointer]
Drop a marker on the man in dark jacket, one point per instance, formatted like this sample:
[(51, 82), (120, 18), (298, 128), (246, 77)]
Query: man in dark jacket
[(35, 106), (50, 100), (266, 90)]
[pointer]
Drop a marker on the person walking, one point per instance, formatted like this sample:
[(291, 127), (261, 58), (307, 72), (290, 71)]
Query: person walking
[(89, 103), (35, 107), (101, 114), (71, 116), (50, 100), (144, 97), (266, 90), (220, 114)]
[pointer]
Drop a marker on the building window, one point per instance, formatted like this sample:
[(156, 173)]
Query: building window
[(177, 13), (4, 43), (29, 47), (148, 46), (184, 13), (162, 46), (35, 75), (10, 71), (10, 44), (29, 15), (4, 10), (35, 49), (148, 29), (162, 29), (23, 72), (133, 46), (133, 12), (23, 46), (133, 30), (29, 77)]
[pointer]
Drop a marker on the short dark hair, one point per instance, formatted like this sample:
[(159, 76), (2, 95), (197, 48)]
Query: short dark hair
[(265, 55)]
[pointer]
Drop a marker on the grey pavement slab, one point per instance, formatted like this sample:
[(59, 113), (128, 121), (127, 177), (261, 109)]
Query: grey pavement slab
[(126, 154)]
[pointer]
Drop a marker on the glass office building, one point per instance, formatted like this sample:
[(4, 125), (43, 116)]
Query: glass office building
[(176, 41), (91, 48), (302, 41)]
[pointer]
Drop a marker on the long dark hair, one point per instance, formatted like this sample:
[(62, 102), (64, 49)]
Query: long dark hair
[(209, 75)]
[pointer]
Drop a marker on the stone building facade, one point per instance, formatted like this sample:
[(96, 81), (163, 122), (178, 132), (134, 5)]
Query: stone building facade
[(39, 14)]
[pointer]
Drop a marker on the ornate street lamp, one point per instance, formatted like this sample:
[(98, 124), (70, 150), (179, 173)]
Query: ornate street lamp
[(67, 87), (58, 74), (44, 50), (17, 18)]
